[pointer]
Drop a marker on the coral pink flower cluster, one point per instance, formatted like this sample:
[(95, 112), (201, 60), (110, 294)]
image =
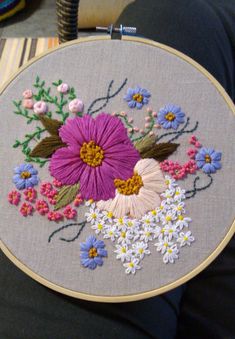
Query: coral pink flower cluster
[(42, 206), (179, 172)]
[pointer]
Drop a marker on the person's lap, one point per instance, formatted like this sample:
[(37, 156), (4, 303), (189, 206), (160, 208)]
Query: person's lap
[(202, 30)]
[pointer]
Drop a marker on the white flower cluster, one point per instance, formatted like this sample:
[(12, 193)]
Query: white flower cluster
[(165, 224)]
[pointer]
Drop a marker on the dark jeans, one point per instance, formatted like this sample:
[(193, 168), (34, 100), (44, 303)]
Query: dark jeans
[(205, 307)]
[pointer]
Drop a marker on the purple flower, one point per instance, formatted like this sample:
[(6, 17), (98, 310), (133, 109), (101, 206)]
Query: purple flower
[(208, 160), (92, 252), (25, 176), (170, 116), (98, 152), (137, 97)]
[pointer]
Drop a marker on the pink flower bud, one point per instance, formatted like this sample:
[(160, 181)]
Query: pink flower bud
[(130, 120), (28, 103), (27, 94), (147, 119), (147, 125), (130, 130), (63, 88), (142, 131), (149, 109), (76, 106), (40, 107), (157, 126), (151, 133), (123, 114), (154, 114), (136, 129)]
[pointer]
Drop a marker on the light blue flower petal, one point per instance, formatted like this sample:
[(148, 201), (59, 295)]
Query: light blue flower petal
[(84, 255), (132, 104), (33, 171), (139, 105), (84, 246), (203, 151), (216, 156), (200, 163), (86, 262), (174, 124), (216, 164), (102, 252), (92, 264), (99, 244), (208, 168), (20, 184), (145, 101), (98, 261), (200, 157), (31, 181)]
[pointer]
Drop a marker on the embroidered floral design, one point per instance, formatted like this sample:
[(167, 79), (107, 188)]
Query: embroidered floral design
[(131, 236), (137, 97), (98, 152), (25, 176), (114, 168), (170, 116), (208, 160), (138, 194), (92, 252)]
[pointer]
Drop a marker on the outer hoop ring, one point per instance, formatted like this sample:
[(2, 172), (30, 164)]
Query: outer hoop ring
[(165, 288)]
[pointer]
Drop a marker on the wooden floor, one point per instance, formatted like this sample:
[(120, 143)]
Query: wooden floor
[(38, 19)]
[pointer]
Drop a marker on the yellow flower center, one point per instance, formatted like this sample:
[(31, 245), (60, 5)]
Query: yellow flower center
[(123, 234), (100, 226), (109, 214), (123, 250), (91, 154), (129, 186), (168, 218), (141, 250), (25, 175), (93, 252), (170, 116), (131, 264), (208, 158), (180, 217), (153, 212), (138, 97), (185, 238), (169, 250)]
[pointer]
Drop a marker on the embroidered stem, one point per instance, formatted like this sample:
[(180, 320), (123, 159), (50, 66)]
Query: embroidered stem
[(191, 193), (180, 132), (82, 224), (106, 99), (24, 112), (148, 130)]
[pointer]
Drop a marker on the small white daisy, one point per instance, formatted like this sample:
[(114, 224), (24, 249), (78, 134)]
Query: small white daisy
[(147, 220), (132, 266), (171, 231), (125, 237), (121, 222), (132, 225), (182, 221), (178, 208), (140, 249), (179, 194), (108, 216), (111, 233), (93, 215), (168, 218), (185, 238), (156, 232), (170, 182), (90, 203), (123, 252), (163, 244), (146, 234), (169, 196), (171, 254), (99, 226)]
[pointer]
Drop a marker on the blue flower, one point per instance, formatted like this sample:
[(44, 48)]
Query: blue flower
[(92, 251), (170, 116), (208, 160), (137, 97), (25, 176)]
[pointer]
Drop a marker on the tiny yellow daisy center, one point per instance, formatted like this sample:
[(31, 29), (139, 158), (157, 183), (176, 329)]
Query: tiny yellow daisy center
[(25, 175), (131, 264), (208, 158), (170, 116), (93, 252), (138, 97), (168, 218), (129, 186), (180, 217), (91, 154), (109, 214)]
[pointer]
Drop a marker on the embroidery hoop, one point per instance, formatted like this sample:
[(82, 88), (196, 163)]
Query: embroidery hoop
[(166, 287)]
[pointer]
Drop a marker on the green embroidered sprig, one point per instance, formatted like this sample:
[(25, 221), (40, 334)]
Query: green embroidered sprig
[(148, 129), (24, 112), (26, 150), (59, 102), (127, 123)]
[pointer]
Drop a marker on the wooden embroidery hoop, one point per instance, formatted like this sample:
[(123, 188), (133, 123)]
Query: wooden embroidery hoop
[(185, 278)]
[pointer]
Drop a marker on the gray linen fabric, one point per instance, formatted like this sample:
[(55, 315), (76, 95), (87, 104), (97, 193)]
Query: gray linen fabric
[(90, 67)]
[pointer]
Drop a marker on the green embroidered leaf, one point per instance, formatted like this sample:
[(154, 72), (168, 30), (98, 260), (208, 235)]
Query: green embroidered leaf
[(51, 125), (160, 151), (47, 147), (66, 195), (145, 143)]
